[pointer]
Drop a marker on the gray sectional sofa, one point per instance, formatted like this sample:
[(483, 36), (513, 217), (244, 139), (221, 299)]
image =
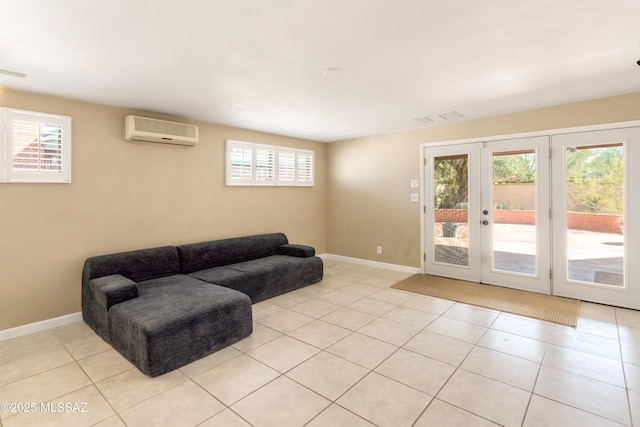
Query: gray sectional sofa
[(165, 307)]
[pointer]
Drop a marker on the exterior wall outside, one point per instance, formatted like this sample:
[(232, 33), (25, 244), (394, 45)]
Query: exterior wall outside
[(517, 196), (601, 223)]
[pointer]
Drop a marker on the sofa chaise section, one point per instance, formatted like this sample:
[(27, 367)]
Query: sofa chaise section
[(177, 320), (110, 279), (156, 317)]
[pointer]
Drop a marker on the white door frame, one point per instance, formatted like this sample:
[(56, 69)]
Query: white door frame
[(632, 229)]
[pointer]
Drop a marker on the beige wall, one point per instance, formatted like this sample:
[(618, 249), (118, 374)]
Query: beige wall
[(368, 184), (127, 195)]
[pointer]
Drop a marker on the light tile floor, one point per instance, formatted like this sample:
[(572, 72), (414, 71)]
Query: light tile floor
[(348, 351)]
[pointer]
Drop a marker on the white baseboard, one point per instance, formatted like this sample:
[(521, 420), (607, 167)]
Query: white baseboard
[(378, 264), (19, 331)]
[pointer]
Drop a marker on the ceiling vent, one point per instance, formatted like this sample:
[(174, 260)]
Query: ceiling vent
[(439, 118), (138, 128), (424, 120), (451, 115)]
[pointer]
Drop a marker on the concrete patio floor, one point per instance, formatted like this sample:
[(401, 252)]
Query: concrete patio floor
[(592, 257)]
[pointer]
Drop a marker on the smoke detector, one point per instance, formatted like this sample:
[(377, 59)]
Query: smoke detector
[(332, 71)]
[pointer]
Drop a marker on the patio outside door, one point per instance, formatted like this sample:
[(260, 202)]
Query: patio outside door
[(487, 213)]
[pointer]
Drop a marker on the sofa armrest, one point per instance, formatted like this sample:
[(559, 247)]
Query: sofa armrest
[(300, 251), (100, 294), (113, 289)]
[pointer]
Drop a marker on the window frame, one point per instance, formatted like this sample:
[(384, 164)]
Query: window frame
[(8, 173), (271, 175)]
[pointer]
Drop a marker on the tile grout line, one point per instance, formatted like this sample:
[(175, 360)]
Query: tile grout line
[(370, 370), (458, 367), (624, 373), (535, 383), (579, 375)]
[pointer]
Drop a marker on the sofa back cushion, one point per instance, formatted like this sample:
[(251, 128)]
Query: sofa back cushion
[(139, 265), (216, 253)]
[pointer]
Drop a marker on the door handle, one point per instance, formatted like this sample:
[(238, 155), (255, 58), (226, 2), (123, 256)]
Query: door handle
[(485, 212), (485, 222)]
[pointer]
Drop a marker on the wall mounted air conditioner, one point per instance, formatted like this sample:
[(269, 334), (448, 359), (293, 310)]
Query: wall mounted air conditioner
[(138, 128)]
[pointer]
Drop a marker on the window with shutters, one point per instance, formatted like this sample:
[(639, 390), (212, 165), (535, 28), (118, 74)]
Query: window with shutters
[(265, 164), (305, 167), (34, 147), (249, 163), (239, 163), (286, 165)]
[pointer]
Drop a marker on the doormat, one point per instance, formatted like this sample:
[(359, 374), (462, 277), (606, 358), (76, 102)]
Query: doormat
[(530, 304)]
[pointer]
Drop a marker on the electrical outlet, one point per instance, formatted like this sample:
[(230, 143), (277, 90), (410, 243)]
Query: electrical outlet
[(379, 250), (415, 183)]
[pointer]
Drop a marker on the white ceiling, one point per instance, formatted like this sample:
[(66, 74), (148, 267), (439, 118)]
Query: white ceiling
[(258, 64)]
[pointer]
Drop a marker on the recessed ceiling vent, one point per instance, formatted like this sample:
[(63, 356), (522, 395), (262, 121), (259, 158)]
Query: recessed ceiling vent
[(424, 120), (451, 115), (439, 118)]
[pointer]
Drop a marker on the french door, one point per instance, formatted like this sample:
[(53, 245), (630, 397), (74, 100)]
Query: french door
[(551, 214), (487, 212), (596, 204)]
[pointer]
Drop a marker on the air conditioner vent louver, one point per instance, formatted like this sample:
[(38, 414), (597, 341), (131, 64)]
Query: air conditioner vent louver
[(144, 129)]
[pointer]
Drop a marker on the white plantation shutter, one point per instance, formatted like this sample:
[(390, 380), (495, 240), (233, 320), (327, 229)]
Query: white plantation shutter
[(258, 164), (305, 167), (286, 166), (239, 163), (265, 164), (35, 147)]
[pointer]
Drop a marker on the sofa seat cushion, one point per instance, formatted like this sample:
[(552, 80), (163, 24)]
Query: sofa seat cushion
[(266, 277), (176, 320)]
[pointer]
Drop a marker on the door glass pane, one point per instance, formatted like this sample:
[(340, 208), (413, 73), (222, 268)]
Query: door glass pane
[(595, 214), (514, 211), (451, 202)]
